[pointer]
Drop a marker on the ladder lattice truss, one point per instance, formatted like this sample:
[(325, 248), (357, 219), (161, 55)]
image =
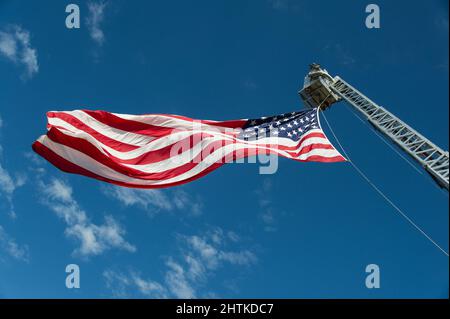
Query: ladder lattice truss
[(430, 156)]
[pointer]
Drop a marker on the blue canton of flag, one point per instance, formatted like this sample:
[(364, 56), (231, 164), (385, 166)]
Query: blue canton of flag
[(288, 125)]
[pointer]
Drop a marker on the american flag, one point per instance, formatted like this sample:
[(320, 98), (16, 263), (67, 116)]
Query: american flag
[(161, 150)]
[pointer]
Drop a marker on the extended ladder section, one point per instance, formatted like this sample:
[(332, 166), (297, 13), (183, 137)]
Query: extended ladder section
[(430, 156)]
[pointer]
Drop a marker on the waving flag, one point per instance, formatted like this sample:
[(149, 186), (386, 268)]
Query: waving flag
[(160, 150)]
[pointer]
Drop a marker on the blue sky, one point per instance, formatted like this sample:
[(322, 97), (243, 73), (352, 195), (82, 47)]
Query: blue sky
[(307, 231)]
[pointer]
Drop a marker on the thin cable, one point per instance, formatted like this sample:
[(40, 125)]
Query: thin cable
[(379, 191)]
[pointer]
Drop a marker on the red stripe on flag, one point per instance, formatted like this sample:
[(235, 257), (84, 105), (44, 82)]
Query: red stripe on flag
[(129, 125), (119, 146), (69, 167)]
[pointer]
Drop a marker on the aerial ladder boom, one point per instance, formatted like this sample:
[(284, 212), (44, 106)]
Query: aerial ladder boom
[(322, 90)]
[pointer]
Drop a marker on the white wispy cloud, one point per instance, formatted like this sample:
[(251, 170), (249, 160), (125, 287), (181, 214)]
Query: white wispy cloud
[(149, 287), (208, 251), (155, 200), (145, 199), (93, 239), (183, 201), (9, 245), (94, 20), (177, 281), (15, 45), (35, 164), (119, 285), (200, 256), (9, 183)]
